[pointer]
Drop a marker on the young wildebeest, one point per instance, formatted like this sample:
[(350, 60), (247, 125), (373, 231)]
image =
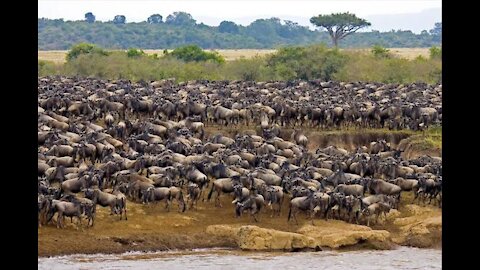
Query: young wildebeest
[(177, 194), (193, 195), (253, 203), (241, 193)]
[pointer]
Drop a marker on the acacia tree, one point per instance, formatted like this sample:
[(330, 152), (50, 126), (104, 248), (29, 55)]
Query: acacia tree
[(339, 25)]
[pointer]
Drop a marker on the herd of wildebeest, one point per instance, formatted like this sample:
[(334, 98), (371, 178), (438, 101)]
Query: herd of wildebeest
[(108, 143)]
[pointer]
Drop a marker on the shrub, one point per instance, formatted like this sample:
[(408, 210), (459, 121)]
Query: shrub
[(435, 53), (192, 53), (381, 52), (84, 48), (135, 53), (46, 68)]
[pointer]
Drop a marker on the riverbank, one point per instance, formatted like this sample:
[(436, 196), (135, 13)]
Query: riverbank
[(152, 228)]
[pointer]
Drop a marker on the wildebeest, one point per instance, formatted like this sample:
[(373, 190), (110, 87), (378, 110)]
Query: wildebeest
[(116, 203), (253, 204)]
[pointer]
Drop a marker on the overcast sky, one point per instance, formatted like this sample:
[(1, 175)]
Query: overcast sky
[(384, 15)]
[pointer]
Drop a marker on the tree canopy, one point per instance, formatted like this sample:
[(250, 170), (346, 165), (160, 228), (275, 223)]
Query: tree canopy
[(89, 17), (339, 25), (119, 19), (155, 19), (228, 27), (180, 18), (270, 33)]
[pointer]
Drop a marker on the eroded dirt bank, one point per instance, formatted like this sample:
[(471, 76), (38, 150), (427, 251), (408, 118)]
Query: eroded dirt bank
[(152, 228)]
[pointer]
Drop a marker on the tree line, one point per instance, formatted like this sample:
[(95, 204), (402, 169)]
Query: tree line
[(180, 28)]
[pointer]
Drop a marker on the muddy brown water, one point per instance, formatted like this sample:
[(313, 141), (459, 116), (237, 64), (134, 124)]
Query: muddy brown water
[(401, 258)]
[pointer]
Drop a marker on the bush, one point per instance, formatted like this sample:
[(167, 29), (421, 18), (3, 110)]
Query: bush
[(192, 53), (84, 48), (381, 52), (245, 69), (289, 63), (435, 53), (46, 68), (307, 63), (135, 53)]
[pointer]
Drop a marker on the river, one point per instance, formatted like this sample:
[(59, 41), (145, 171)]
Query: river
[(401, 258)]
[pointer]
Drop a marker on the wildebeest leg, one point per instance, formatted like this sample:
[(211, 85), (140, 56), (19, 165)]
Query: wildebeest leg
[(295, 216), (254, 217), (59, 220)]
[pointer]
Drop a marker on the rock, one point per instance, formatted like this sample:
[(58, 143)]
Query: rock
[(223, 230), (336, 234), (421, 228), (256, 238), (393, 214)]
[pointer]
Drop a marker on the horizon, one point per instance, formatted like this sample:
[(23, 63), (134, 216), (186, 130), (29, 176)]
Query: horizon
[(384, 15)]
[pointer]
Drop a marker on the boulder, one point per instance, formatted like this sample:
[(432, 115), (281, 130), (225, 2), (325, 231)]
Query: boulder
[(256, 238), (422, 227), (336, 234)]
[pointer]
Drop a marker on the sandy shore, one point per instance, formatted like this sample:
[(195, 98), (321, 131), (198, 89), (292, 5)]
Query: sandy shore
[(151, 227)]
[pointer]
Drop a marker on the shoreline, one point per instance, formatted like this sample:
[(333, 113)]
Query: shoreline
[(153, 229)]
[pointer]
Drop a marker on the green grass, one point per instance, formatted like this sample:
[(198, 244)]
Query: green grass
[(431, 139)]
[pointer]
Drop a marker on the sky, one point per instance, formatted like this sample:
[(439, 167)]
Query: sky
[(385, 15)]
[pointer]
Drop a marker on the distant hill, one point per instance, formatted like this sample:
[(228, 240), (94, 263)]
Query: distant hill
[(260, 34)]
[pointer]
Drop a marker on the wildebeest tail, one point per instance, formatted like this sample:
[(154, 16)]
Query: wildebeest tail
[(289, 212)]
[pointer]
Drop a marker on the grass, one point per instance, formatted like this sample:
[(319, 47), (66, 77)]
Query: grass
[(409, 53), (432, 139)]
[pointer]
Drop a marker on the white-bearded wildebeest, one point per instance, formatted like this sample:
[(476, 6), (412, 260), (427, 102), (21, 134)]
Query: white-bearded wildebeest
[(355, 190), (304, 203), (177, 194), (193, 194), (117, 203), (376, 209), (274, 196), (62, 208), (153, 194), (222, 185)]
